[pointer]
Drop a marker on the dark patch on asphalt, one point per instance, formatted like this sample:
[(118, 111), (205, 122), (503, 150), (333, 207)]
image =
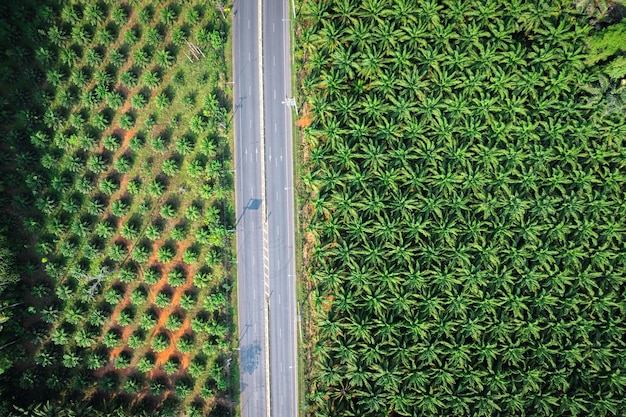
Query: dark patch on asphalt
[(249, 356)]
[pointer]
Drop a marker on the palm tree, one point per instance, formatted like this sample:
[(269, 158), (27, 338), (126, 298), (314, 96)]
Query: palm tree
[(162, 101), (119, 15), (152, 79), (168, 211), (168, 16), (117, 251), (56, 36), (165, 254), (141, 58), (164, 59), (126, 121), (128, 79)]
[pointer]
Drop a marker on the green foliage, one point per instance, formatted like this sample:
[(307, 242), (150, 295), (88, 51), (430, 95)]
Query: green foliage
[(123, 164), (616, 69), (184, 145), (130, 230), (171, 367), (170, 167), (168, 211), (95, 361), (202, 279), (173, 322), (176, 277), (156, 188), (192, 213), (111, 339), (119, 15), (128, 274), (129, 79), (156, 387), (122, 361), (151, 276), (139, 296), (137, 143), (134, 186), (126, 121), (84, 338), (132, 384), (153, 232), (151, 79), (453, 159), (607, 43), (148, 321), (119, 208), (113, 296), (191, 256), (99, 317), (179, 233), (162, 101), (138, 101), (165, 254), (160, 342), (146, 364), (188, 301), (125, 317), (159, 144), (167, 15), (162, 299), (141, 253), (104, 229), (115, 100), (117, 251), (109, 186), (185, 344)]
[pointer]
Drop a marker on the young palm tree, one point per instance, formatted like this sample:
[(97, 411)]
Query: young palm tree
[(141, 58), (185, 145), (117, 251), (128, 79), (168, 211), (191, 256), (152, 79), (119, 208), (162, 101), (164, 59), (139, 101), (119, 15), (168, 16), (93, 58), (165, 254), (126, 121)]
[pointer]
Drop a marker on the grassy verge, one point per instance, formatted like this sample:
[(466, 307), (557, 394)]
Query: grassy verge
[(306, 339)]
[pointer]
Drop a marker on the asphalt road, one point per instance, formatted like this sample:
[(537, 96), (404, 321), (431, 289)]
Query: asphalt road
[(264, 188), (280, 208), (249, 196)]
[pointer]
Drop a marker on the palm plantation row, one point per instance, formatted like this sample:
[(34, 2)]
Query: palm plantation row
[(466, 210), (128, 193)]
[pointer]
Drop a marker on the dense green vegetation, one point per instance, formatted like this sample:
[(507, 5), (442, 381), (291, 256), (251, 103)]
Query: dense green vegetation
[(9, 280), (116, 168), (467, 211)]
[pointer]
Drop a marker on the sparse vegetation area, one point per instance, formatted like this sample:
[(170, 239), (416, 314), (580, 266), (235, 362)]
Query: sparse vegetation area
[(115, 156)]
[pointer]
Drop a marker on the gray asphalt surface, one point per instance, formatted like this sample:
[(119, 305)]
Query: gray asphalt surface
[(280, 208), (248, 154)]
